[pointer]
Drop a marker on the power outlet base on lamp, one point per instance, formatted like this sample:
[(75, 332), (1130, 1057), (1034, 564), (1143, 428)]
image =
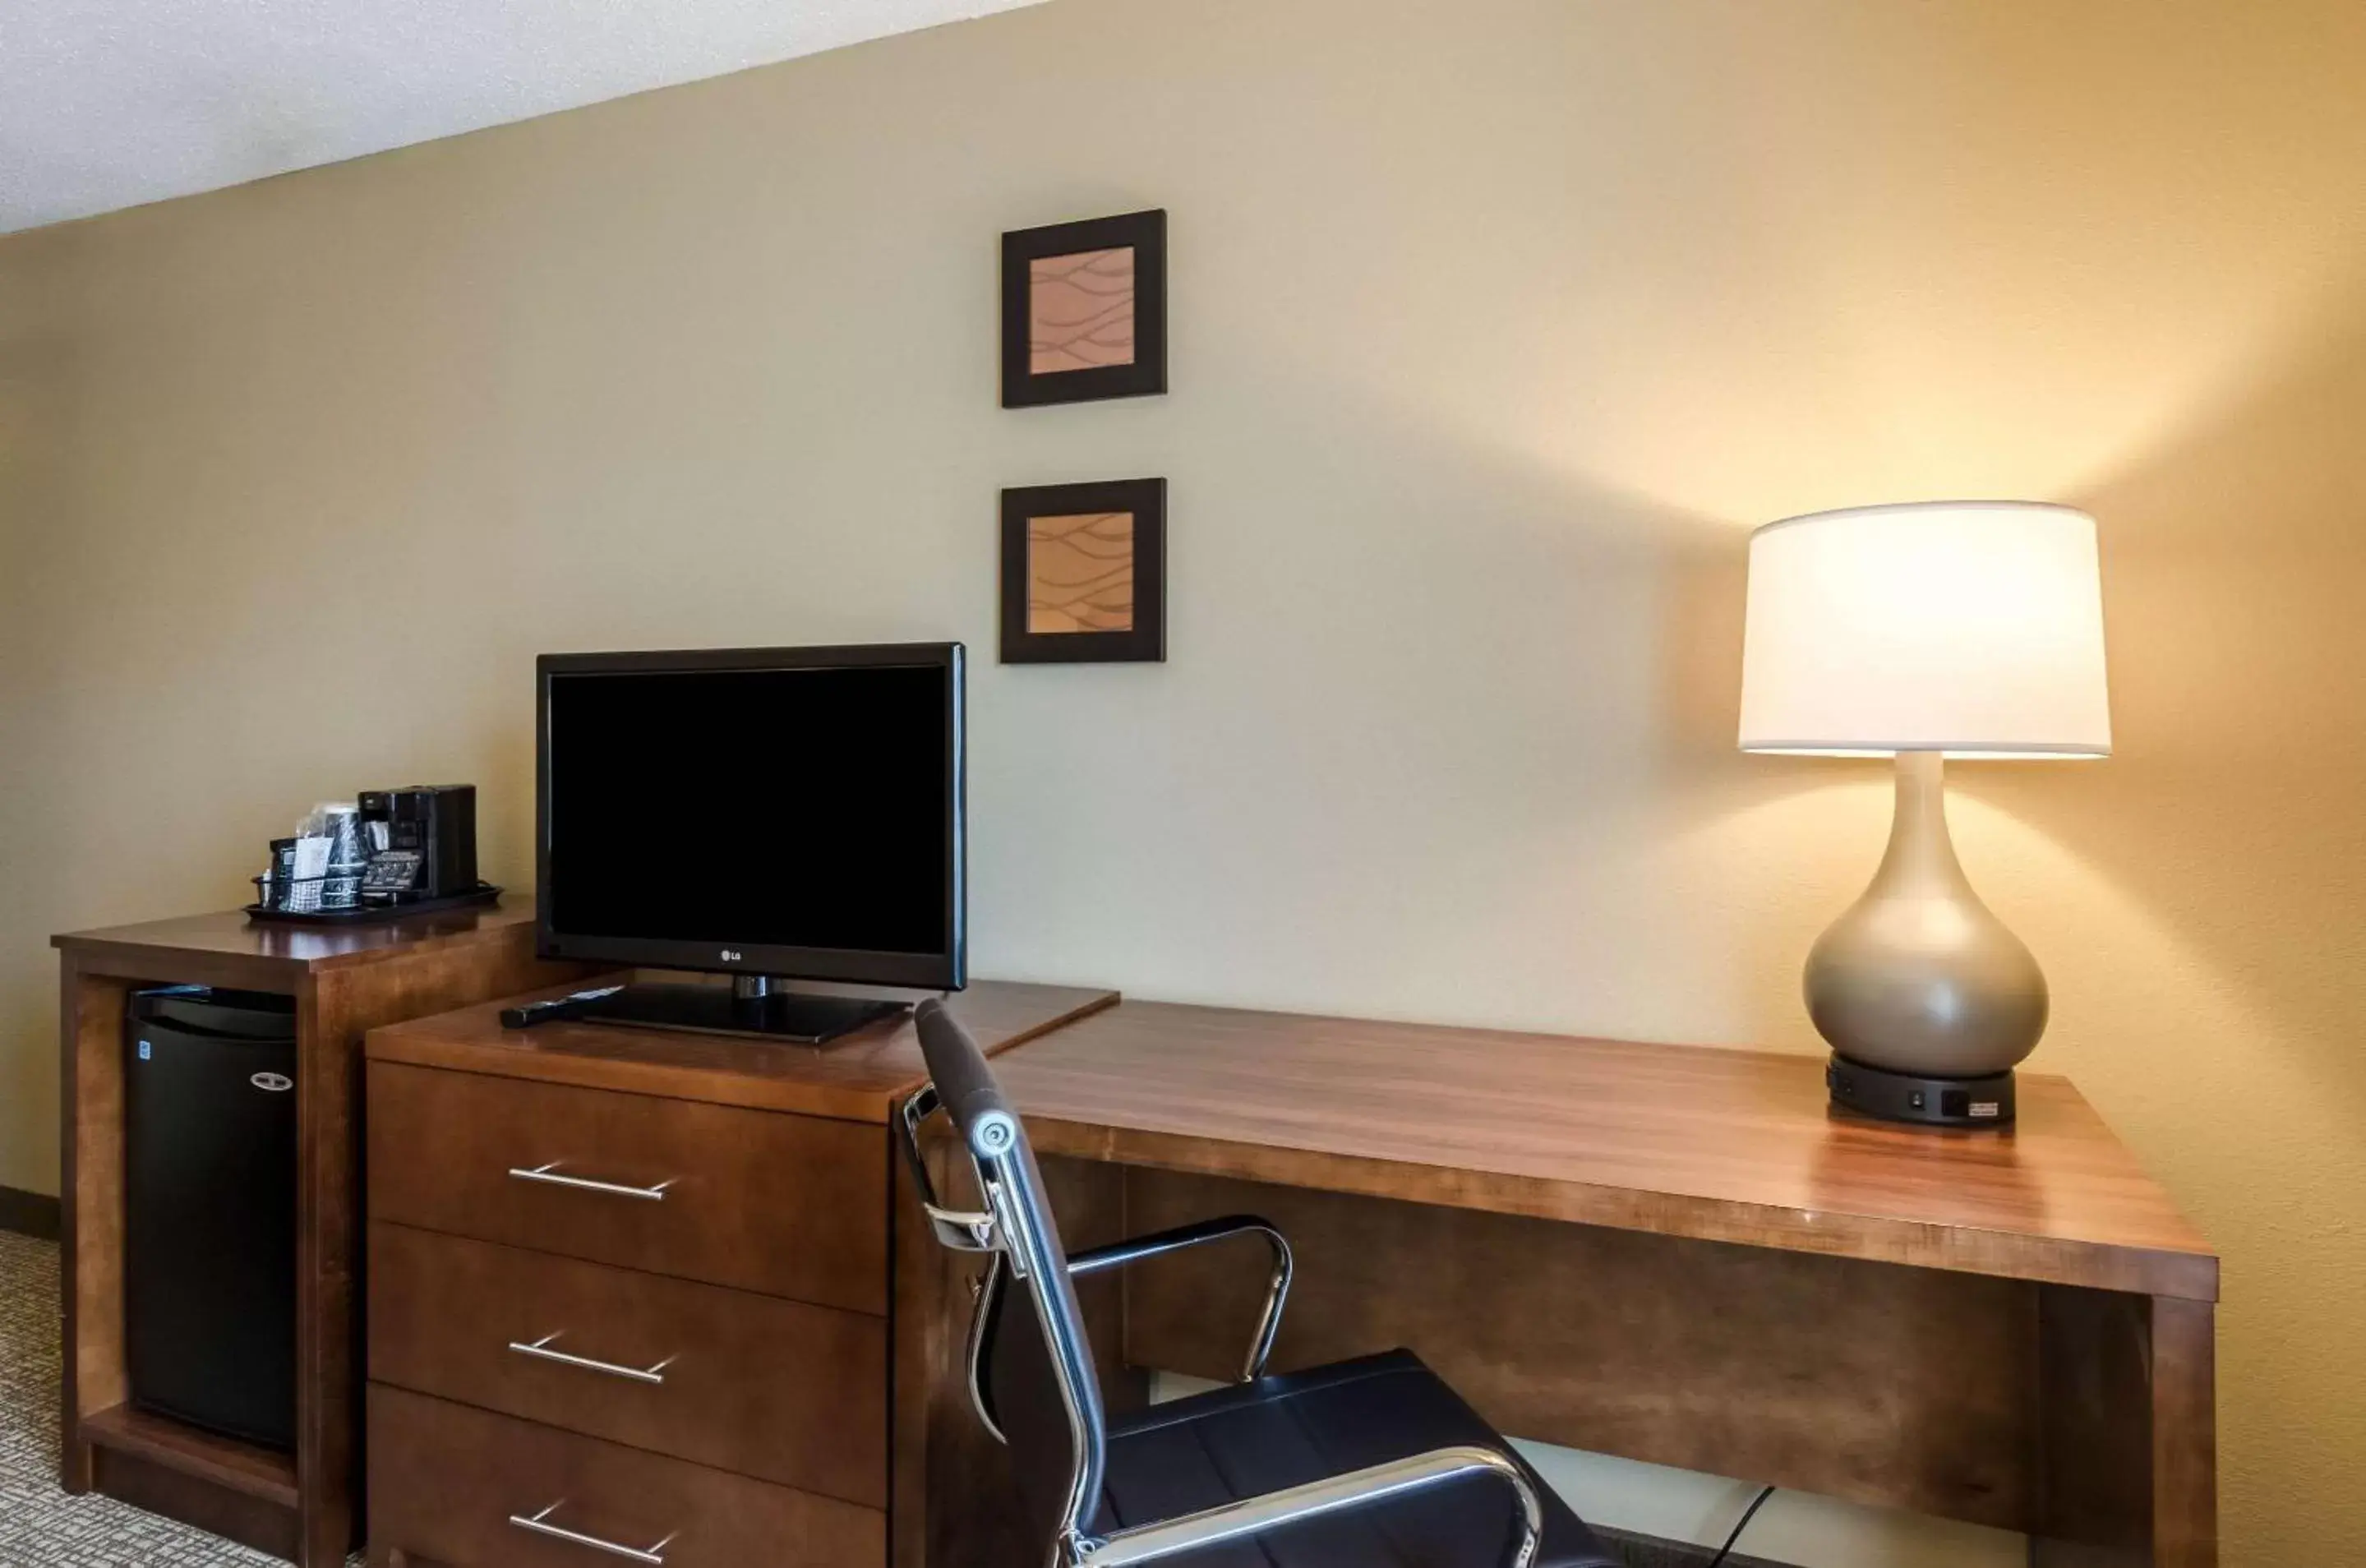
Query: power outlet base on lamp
[(1986, 1102)]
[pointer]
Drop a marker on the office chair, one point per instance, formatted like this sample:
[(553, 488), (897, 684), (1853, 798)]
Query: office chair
[(1368, 1463)]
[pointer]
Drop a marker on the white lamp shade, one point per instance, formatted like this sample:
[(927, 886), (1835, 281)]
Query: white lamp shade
[(1975, 628)]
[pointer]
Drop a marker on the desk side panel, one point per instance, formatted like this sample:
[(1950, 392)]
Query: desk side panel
[(2184, 1432), (2128, 1452), (91, 1214)]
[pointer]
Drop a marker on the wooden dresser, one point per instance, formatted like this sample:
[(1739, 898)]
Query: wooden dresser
[(631, 1293)]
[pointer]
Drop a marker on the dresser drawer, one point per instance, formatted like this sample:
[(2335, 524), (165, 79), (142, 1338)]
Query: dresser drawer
[(790, 1205), (445, 1482), (771, 1388)]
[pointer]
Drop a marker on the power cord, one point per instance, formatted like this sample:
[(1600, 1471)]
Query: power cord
[(1747, 1515)]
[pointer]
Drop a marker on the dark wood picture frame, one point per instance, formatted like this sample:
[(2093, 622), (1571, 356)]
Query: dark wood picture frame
[(1143, 639), (1144, 374)]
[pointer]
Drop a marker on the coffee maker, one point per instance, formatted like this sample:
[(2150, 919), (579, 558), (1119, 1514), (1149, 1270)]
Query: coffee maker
[(435, 823)]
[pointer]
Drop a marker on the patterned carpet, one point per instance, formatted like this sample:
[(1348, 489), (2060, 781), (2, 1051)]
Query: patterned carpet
[(41, 1527)]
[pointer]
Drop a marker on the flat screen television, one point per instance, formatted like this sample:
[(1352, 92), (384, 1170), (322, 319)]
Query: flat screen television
[(783, 813)]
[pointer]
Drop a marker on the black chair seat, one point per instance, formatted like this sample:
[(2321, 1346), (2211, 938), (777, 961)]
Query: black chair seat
[(1251, 1438)]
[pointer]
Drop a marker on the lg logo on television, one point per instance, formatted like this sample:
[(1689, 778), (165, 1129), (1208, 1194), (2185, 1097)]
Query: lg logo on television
[(732, 955)]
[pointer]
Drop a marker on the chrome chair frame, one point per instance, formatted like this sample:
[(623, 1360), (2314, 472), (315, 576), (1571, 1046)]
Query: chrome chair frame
[(1007, 1178)]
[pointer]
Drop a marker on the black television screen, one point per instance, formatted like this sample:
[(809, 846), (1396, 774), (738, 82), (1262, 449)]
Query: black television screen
[(776, 811)]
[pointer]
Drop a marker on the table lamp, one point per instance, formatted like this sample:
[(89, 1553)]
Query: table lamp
[(1924, 631)]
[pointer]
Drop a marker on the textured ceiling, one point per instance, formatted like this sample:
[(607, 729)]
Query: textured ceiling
[(110, 103)]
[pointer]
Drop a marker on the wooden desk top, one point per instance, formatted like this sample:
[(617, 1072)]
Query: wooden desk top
[(244, 952), (859, 1077), (1719, 1145)]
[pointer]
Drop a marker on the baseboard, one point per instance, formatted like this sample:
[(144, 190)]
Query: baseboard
[(29, 1213), (1650, 1552)]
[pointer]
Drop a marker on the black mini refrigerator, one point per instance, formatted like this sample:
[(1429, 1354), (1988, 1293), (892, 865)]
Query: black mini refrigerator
[(209, 1209)]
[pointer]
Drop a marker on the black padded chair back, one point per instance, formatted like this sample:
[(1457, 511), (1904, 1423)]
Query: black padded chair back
[(1037, 1381)]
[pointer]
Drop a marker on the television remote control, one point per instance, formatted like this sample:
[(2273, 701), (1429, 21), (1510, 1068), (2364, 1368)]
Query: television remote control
[(556, 1008)]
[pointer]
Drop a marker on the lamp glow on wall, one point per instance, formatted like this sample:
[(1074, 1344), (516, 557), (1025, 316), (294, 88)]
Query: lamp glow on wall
[(1924, 631)]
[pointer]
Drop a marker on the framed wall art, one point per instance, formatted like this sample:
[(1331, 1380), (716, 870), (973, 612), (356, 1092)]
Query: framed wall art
[(1084, 311), (1084, 573)]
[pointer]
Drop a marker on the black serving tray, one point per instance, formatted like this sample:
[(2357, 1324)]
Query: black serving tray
[(375, 914)]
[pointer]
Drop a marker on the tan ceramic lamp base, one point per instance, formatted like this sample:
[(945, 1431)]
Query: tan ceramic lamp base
[(1918, 978)]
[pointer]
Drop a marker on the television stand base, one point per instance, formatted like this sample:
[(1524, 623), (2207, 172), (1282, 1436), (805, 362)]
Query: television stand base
[(796, 1017)]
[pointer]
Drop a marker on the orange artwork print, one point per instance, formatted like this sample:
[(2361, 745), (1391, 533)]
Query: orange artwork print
[(1080, 311), (1080, 573)]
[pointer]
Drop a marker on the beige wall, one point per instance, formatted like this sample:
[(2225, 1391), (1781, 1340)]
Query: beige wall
[(1496, 325)]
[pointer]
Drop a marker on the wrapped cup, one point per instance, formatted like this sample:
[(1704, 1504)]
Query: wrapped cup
[(330, 855)]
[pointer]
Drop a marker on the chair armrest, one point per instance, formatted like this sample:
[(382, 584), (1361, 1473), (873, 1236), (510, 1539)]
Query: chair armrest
[(1357, 1489), (960, 1229), (1117, 1254)]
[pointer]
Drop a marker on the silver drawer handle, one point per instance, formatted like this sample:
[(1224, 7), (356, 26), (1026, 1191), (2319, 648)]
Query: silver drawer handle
[(541, 1349), (550, 1173), (654, 1555)]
